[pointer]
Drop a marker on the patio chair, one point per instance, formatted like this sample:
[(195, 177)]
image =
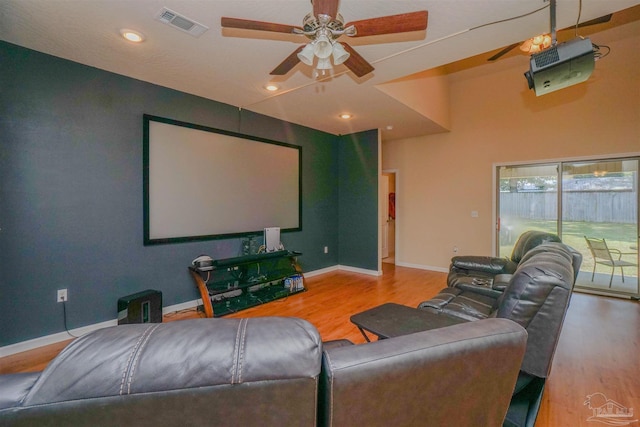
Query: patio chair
[(604, 255)]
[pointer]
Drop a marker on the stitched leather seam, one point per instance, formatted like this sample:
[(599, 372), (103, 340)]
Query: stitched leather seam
[(129, 360), (137, 357), (241, 350), (126, 368), (236, 351)]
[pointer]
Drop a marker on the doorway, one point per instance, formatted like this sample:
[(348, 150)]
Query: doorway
[(388, 216)]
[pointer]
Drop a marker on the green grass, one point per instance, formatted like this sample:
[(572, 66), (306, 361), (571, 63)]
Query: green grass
[(618, 236)]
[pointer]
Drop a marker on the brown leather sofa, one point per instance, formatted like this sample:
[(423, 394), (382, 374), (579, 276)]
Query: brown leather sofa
[(270, 372)]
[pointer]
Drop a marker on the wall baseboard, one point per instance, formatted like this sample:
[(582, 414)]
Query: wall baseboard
[(423, 267), (359, 270), (321, 271), (76, 332), (8, 350)]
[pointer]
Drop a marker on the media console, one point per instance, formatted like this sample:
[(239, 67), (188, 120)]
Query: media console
[(234, 284)]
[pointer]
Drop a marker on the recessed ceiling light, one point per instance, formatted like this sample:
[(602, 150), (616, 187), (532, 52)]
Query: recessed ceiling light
[(345, 116), (132, 35), (271, 87)]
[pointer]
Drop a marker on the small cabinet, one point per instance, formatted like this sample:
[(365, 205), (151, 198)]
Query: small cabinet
[(233, 284)]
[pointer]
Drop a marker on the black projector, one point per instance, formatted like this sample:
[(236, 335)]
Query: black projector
[(560, 66)]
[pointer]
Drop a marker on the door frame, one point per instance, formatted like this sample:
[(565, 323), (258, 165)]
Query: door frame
[(396, 239)]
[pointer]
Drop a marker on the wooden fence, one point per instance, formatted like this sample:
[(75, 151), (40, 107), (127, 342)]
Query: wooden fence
[(587, 206)]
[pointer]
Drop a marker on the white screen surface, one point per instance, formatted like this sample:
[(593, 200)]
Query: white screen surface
[(205, 184)]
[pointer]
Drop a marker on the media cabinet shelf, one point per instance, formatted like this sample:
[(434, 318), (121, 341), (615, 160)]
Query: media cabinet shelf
[(234, 284)]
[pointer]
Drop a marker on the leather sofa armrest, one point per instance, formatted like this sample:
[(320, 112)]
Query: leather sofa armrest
[(487, 290), (484, 264), (501, 281), (484, 286)]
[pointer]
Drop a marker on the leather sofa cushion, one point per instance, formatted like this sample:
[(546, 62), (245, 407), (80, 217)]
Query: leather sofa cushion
[(461, 304)]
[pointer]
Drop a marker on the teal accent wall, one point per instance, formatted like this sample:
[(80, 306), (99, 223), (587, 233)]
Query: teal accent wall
[(71, 201), (358, 200)]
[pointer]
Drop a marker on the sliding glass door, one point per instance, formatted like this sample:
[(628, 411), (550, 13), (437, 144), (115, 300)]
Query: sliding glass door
[(593, 207), (600, 219), (528, 200)]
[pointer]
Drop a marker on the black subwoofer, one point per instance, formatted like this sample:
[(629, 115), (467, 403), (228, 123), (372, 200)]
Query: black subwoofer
[(141, 307)]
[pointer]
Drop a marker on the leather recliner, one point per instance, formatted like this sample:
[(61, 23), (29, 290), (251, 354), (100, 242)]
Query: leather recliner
[(490, 275), (452, 376), (269, 372), (536, 297)]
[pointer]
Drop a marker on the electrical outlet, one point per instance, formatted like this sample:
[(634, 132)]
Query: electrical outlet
[(326, 249), (455, 249), (62, 295)]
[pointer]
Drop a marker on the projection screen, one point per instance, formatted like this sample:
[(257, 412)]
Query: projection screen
[(202, 183)]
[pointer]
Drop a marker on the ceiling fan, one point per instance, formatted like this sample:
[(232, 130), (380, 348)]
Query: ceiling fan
[(600, 20), (324, 26)]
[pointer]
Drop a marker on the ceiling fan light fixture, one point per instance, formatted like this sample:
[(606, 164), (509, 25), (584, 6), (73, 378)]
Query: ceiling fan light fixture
[(324, 64), (323, 27), (322, 46), (306, 54), (536, 44), (339, 54)]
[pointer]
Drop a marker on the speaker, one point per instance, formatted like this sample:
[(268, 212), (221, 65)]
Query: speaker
[(142, 307)]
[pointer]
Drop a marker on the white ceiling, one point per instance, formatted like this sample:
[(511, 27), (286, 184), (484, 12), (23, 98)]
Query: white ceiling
[(232, 66)]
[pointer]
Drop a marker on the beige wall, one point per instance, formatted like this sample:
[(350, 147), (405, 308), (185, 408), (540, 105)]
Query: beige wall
[(495, 118)]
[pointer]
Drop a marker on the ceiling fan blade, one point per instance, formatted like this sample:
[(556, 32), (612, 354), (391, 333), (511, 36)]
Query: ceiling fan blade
[(325, 7), (403, 23), (356, 63), (246, 24), (503, 52), (285, 66)]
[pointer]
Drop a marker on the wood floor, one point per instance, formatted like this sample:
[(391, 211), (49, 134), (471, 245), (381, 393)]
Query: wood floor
[(598, 352)]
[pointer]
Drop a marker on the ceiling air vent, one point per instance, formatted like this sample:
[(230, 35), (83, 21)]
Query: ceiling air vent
[(180, 22)]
